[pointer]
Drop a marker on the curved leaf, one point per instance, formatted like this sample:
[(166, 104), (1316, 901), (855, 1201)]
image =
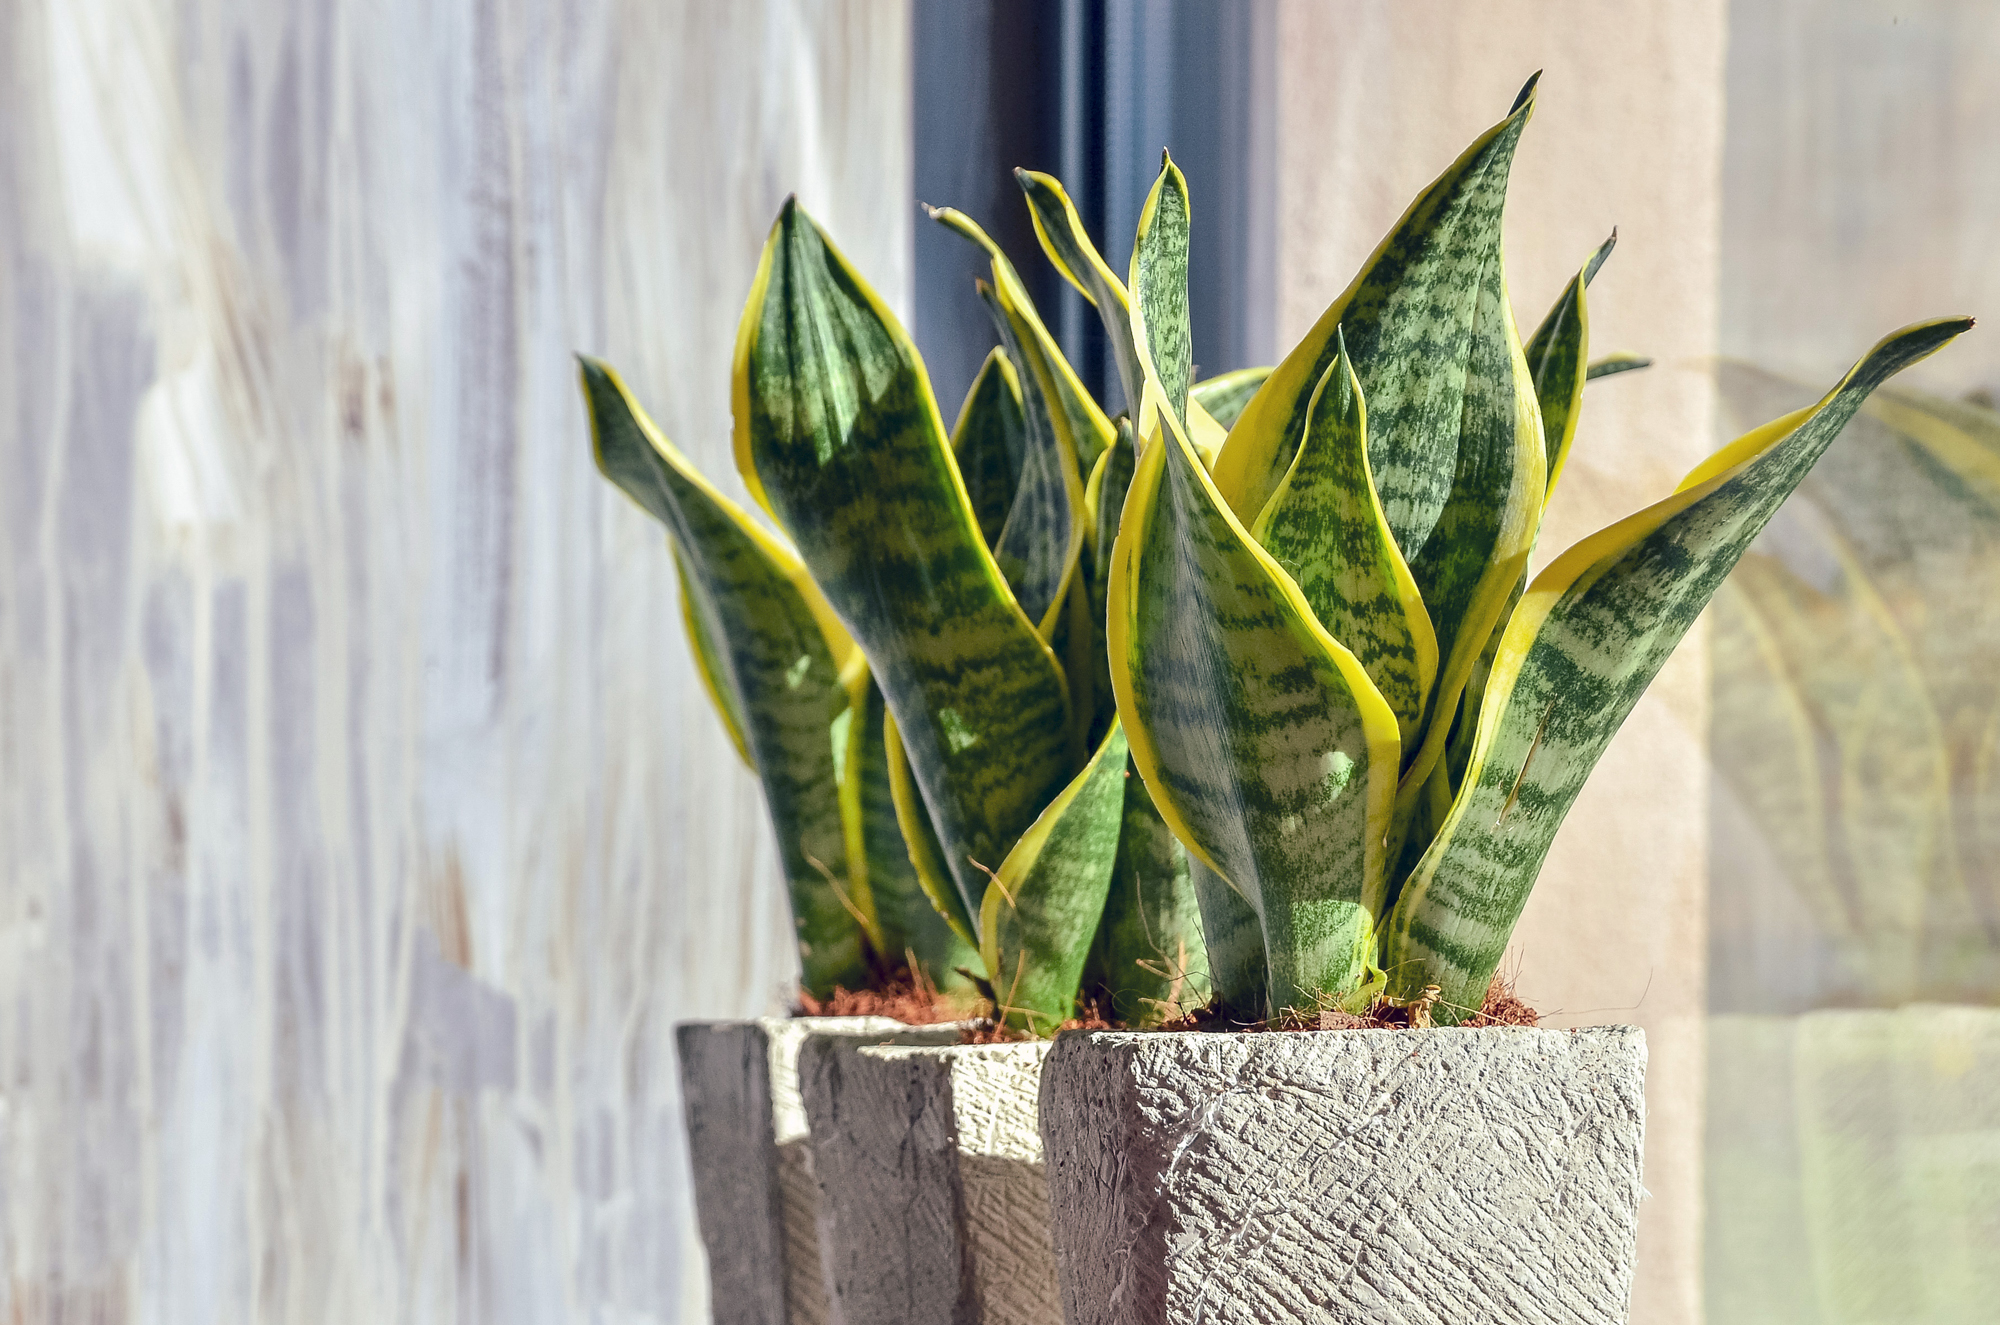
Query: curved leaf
[(920, 837), (913, 929), (766, 640), (1234, 940), (1591, 633), (1409, 319), (1160, 319), (1042, 909), (1077, 418), (1061, 231), (1324, 526), (1613, 364), (1558, 356), (1263, 742), (705, 637), (837, 431), (1149, 957), (1227, 395), (990, 441)]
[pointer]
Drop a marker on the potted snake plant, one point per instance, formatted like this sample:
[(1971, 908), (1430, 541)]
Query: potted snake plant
[(1365, 726)]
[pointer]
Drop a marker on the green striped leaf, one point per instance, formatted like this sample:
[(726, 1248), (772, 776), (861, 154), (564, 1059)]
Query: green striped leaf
[(990, 441), (1234, 940), (1324, 525), (1558, 360), (1264, 744), (913, 929), (838, 434), (1160, 320), (1042, 909), (1227, 395), (1039, 544), (1149, 958), (1613, 364), (763, 639), (1063, 238), (1410, 318), (1077, 418), (705, 637), (1592, 631), (920, 837)]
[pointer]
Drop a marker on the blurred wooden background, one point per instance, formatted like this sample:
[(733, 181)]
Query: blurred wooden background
[(362, 829)]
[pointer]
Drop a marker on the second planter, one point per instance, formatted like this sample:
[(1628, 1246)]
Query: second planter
[(934, 1207)]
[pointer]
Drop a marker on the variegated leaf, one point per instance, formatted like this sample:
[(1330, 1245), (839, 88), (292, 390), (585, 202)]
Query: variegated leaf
[(1234, 940), (765, 641), (1061, 231), (1149, 958), (990, 441), (1076, 416), (1160, 320), (1558, 356), (838, 434), (1227, 395), (1042, 539), (1324, 525), (920, 837), (1592, 631), (913, 929), (1613, 364), (1042, 909), (1410, 318), (1265, 745)]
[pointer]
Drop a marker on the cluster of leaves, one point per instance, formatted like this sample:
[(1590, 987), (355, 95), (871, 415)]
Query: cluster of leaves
[(1294, 603)]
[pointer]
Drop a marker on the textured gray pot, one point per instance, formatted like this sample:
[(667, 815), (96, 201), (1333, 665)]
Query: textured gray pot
[(1449, 1175), (933, 1206), (755, 1196)]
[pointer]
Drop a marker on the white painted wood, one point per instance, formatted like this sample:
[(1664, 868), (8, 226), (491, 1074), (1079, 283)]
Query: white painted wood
[(362, 829)]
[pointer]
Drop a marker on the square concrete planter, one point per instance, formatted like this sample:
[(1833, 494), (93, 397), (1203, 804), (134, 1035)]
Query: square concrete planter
[(933, 1205), (754, 1191), (1429, 1176)]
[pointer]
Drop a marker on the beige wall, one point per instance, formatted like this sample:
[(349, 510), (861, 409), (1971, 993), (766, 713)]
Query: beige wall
[(1374, 99)]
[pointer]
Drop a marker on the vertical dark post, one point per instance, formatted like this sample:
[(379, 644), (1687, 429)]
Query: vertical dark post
[(1091, 90)]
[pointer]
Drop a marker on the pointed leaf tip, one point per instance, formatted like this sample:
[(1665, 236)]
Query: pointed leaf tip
[(1597, 258), (1527, 93)]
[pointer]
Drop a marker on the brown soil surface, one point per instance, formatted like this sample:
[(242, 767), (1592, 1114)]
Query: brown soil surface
[(914, 1002), (1503, 1007), (993, 1032)]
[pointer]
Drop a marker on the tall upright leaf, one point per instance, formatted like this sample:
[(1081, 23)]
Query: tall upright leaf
[(1149, 957), (772, 654), (1591, 633), (990, 441), (1409, 318), (1324, 525), (1160, 321), (1063, 238), (1558, 356), (839, 436), (1043, 907)]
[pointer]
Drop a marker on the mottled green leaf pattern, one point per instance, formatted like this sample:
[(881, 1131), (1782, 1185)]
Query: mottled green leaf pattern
[(1234, 940), (1325, 527), (1160, 319), (1557, 356), (912, 927), (1069, 248), (1266, 747), (1410, 320), (837, 431), (762, 642), (1043, 907), (1149, 958), (1591, 633), (1227, 395), (920, 837), (1613, 364), (1076, 416), (704, 638), (990, 440)]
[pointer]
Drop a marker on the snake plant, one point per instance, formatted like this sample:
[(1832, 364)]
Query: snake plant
[(1351, 706), (916, 667)]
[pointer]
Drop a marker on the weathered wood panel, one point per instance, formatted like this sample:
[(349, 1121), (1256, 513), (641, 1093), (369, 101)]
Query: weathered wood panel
[(362, 829)]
